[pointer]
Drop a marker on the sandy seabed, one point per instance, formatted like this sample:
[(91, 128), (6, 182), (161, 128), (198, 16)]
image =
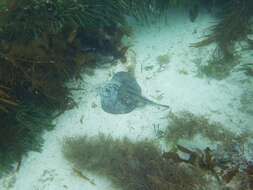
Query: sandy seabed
[(175, 84)]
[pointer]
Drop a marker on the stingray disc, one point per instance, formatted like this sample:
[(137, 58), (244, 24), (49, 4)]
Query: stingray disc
[(118, 96)]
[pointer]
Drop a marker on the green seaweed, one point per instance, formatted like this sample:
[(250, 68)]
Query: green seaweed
[(30, 19), (149, 12), (40, 47), (186, 125), (131, 166), (246, 101), (233, 26), (247, 69), (163, 59), (217, 68), (20, 132)]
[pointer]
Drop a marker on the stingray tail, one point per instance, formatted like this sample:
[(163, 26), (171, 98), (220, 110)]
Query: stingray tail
[(161, 105), (157, 104)]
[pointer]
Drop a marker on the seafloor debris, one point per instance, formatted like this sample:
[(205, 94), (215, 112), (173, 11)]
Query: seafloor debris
[(82, 176), (227, 161)]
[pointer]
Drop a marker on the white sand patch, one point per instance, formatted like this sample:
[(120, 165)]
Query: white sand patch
[(175, 85)]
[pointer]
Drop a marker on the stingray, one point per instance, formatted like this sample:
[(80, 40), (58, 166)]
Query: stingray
[(122, 94)]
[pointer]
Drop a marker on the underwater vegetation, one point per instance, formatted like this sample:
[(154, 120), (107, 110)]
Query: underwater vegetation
[(142, 165), (233, 26), (148, 11), (247, 68), (193, 12), (163, 59), (7, 102), (227, 161), (185, 125), (131, 166), (43, 44), (217, 68), (20, 132), (30, 19), (247, 101)]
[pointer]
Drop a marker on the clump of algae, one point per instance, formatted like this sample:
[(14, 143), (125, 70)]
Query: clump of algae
[(163, 59), (217, 68), (132, 166), (186, 125), (228, 163)]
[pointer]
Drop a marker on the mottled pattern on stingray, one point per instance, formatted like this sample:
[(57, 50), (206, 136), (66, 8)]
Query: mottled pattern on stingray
[(120, 94)]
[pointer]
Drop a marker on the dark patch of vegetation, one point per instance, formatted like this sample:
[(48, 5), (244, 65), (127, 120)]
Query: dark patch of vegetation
[(194, 12), (43, 44), (31, 19), (228, 162), (149, 12), (233, 26), (132, 166), (20, 132)]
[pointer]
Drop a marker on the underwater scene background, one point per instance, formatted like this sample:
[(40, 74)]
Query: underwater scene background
[(126, 94)]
